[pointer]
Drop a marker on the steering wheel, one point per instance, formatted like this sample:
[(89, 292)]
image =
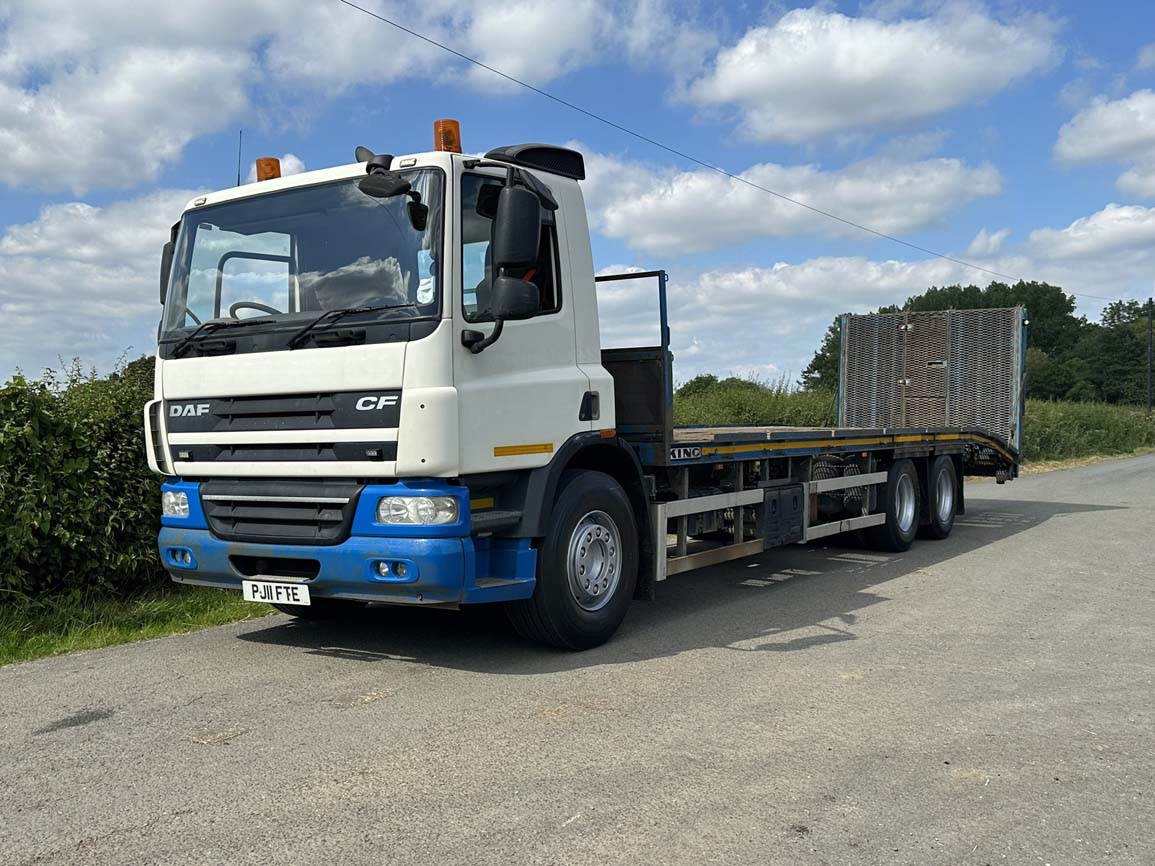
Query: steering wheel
[(251, 305), (192, 316)]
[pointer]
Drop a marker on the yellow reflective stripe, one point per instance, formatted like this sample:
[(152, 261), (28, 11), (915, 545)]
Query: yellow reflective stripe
[(479, 504), (830, 443), (518, 450), (782, 446)]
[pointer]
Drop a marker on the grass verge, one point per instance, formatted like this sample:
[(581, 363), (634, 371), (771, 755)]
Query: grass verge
[(31, 631)]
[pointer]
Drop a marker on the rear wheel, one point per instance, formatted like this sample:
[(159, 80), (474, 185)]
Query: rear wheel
[(942, 498), (901, 501), (322, 608), (587, 566)]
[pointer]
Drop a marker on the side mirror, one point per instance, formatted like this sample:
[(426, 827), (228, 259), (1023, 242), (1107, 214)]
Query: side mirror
[(514, 299), (165, 268), (516, 228), (383, 184)]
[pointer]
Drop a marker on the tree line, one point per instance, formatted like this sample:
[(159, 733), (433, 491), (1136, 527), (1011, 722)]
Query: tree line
[(1068, 357)]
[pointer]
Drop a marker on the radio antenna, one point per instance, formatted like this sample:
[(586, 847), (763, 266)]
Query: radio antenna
[(240, 140)]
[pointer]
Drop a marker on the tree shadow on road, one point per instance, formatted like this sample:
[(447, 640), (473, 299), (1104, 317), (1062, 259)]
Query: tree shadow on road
[(793, 599)]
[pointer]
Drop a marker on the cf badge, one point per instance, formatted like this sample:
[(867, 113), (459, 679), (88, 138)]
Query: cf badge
[(372, 401)]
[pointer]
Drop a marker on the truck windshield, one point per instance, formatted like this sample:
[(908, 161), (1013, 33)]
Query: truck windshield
[(289, 256)]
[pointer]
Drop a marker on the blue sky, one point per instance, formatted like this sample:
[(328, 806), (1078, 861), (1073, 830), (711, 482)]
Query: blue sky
[(1018, 136)]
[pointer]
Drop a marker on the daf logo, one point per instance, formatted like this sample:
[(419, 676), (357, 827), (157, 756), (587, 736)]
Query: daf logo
[(188, 410), (371, 402)]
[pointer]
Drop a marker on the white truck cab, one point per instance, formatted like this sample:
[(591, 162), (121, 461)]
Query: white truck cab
[(359, 366)]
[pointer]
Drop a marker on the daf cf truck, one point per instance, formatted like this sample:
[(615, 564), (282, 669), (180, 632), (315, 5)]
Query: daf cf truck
[(384, 383)]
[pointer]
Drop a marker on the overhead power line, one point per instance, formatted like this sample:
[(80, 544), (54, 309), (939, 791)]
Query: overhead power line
[(688, 157)]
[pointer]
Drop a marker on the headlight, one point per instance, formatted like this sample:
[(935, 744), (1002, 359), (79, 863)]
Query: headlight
[(174, 503), (417, 510)]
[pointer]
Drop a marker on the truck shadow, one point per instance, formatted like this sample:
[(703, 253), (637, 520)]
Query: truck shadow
[(792, 599)]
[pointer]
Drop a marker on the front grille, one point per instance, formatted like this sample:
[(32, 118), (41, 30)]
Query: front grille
[(339, 411), (262, 452), (280, 512)]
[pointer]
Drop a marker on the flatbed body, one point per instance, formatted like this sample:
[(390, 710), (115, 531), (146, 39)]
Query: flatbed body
[(691, 445), (644, 418)]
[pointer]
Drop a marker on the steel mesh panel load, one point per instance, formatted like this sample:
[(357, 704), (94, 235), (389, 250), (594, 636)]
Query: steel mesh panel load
[(873, 372), (950, 368)]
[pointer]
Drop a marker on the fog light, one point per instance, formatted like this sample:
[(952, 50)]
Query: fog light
[(180, 557), (400, 569), (383, 569)]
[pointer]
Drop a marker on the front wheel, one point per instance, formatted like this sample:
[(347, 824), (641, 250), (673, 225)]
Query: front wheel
[(587, 566)]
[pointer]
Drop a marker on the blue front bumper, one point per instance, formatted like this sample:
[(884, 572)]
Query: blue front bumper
[(446, 569)]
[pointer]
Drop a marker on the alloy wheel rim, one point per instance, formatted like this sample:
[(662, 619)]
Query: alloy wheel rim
[(904, 512), (944, 497), (594, 560)]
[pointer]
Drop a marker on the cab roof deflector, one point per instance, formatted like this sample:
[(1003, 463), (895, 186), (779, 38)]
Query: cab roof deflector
[(543, 157)]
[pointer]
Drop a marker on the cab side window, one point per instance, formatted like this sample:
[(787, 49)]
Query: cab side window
[(479, 199)]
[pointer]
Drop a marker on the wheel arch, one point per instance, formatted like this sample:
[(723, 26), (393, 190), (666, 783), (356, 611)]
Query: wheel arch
[(613, 457)]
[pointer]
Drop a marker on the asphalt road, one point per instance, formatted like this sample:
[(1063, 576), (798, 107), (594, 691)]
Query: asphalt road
[(983, 700)]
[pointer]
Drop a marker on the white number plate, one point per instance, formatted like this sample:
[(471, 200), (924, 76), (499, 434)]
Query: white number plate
[(281, 593)]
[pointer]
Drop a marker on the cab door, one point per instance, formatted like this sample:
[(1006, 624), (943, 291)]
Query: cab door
[(521, 397)]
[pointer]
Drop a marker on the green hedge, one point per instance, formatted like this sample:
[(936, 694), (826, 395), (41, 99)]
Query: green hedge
[(706, 400), (78, 505), (1061, 430)]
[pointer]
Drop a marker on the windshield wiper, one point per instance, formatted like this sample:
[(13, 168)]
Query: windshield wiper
[(335, 315), (212, 326)]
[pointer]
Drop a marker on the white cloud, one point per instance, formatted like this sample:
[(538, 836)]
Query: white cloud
[(82, 281), (816, 73), (541, 43), (987, 243), (667, 211), (1109, 130), (1146, 58), (126, 85), (118, 125), (1114, 230), (1139, 179), (1120, 130)]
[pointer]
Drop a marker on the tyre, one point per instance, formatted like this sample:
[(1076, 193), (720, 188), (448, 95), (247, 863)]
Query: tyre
[(901, 500), (322, 608), (941, 498), (587, 566)]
